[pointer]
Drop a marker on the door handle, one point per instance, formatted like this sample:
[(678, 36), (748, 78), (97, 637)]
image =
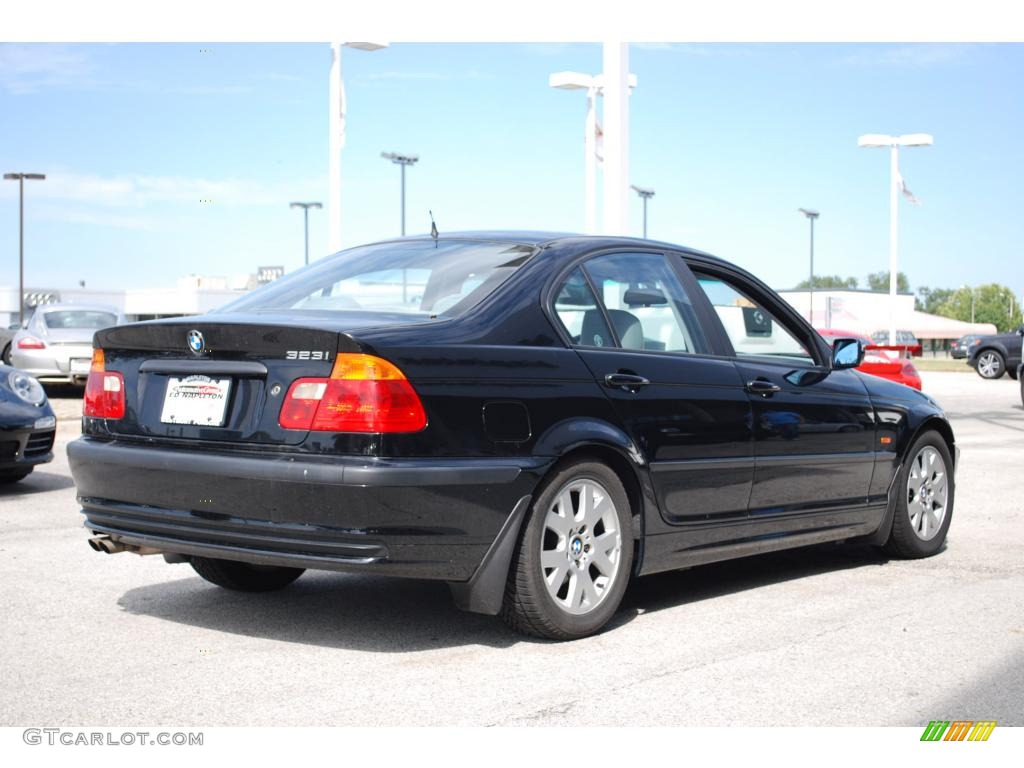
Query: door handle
[(627, 381), (762, 387)]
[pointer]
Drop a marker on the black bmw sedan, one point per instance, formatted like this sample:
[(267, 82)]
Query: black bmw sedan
[(534, 419), (27, 425)]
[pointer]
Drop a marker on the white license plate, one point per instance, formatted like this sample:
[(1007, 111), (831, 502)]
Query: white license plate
[(196, 400), (80, 364)]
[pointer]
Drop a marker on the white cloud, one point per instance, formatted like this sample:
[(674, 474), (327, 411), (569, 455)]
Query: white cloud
[(29, 68), (139, 191), (100, 219)]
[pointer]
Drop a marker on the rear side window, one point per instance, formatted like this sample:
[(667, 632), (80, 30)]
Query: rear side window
[(579, 313), (419, 278)]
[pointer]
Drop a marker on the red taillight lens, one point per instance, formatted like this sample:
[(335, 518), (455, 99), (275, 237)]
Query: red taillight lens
[(104, 391), (911, 377), (31, 342), (364, 394)]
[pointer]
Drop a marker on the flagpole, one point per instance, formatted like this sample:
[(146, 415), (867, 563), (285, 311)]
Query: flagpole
[(590, 163), (894, 199)]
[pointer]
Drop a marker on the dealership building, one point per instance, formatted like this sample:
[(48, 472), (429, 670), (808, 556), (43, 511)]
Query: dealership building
[(866, 312), (191, 295)]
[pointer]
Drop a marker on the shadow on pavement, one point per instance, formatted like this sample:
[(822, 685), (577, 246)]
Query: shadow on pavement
[(705, 582), (37, 482), (64, 391), (333, 610), (390, 615)]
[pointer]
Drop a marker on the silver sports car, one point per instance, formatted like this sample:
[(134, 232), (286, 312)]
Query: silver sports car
[(56, 344)]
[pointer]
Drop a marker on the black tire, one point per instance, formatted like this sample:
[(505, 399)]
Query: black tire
[(528, 607), (998, 364), (244, 577), (6, 356), (904, 540), (1012, 372), (15, 476)]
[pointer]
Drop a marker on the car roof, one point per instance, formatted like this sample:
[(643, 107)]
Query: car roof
[(539, 238)]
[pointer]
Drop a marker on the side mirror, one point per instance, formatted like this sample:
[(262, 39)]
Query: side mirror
[(846, 353)]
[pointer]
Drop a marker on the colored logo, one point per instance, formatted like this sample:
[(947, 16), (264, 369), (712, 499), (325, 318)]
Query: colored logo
[(958, 730), (196, 341)]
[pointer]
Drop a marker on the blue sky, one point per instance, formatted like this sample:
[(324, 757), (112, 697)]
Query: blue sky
[(733, 138)]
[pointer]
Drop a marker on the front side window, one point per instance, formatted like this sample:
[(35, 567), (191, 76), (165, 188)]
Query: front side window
[(419, 278), (751, 328)]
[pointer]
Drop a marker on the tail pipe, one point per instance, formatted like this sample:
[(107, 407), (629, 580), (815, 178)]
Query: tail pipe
[(112, 546)]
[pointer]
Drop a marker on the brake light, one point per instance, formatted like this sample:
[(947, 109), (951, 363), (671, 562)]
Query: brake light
[(911, 377), (363, 394), (31, 342), (104, 391)]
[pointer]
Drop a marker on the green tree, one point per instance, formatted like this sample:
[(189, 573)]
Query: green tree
[(991, 302), (828, 281), (930, 299), (879, 281)]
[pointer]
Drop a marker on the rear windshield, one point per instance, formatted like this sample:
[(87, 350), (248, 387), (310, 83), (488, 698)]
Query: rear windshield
[(414, 278), (79, 318)]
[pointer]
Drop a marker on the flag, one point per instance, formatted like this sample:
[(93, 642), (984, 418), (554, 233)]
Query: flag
[(906, 192)]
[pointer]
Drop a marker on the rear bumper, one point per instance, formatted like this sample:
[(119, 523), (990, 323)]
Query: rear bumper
[(415, 517), (53, 363)]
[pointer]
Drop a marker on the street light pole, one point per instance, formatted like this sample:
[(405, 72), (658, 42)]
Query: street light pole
[(403, 160), (20, 178), (305, 210), (645, 195), (811, 214), (336, 129), (594, 86), (877, 140)]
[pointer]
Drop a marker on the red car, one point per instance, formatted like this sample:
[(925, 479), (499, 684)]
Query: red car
[(878, 362)]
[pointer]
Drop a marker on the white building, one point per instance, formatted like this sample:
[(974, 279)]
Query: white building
[(192, 295), (867, 312)]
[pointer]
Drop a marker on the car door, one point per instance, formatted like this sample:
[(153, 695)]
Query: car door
[(814, 428), (633, 323)]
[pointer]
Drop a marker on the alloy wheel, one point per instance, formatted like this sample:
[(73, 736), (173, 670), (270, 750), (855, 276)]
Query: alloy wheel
[(988, 365), (581, 547), (927, 493)]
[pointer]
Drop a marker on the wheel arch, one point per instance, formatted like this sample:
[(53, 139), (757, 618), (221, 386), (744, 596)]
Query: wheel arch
[(931, 423), (575, 440)]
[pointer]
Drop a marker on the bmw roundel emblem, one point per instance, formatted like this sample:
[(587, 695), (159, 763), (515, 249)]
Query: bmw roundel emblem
[(196, 342)]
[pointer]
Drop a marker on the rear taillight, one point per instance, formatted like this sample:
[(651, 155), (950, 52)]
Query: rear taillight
[(104, 391), (911, 377), (31, 342), (363, 394)]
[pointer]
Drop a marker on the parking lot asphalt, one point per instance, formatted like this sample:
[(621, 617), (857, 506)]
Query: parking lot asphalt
[(829, 635)]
